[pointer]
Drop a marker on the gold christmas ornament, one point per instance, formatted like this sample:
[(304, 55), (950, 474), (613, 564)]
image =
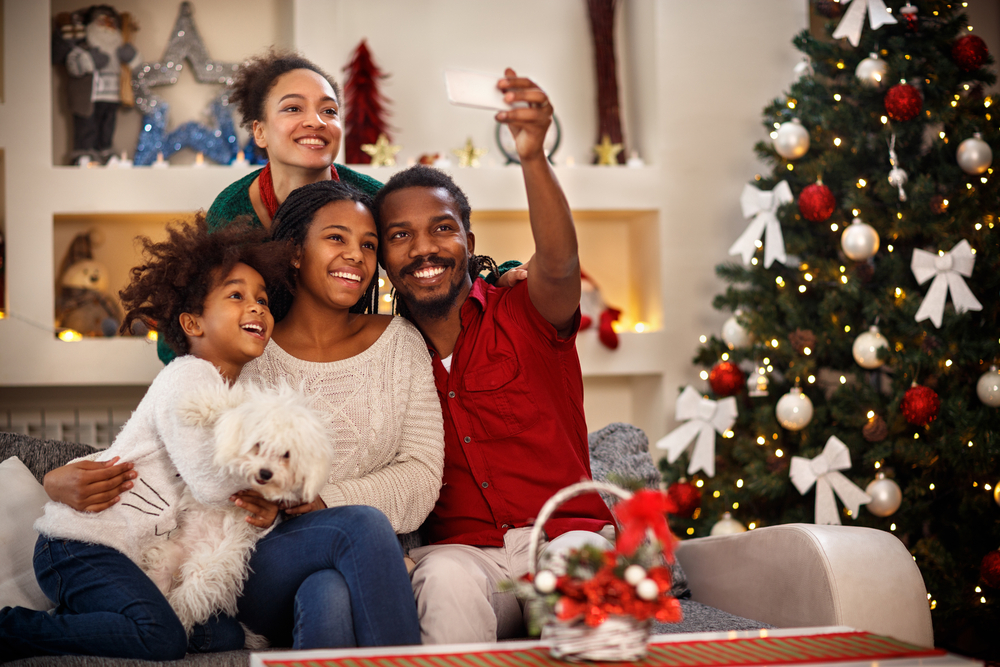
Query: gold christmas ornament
[(607, 152), (469, 155), (383, 153)]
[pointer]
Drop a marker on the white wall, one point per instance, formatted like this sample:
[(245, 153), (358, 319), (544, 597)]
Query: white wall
[(694, 76)]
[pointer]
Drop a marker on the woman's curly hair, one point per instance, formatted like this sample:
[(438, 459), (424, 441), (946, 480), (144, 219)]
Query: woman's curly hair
[(255, 78), (177, 274)]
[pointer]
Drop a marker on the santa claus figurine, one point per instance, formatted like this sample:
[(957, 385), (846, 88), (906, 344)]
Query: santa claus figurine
[(95, 91), (593, 309)]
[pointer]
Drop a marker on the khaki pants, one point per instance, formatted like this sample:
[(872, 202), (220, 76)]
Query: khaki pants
[(457, 587)]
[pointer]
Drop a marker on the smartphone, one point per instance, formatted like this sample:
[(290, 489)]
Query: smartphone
[(474, 89)]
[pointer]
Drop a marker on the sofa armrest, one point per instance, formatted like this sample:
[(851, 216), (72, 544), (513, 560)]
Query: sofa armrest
[(802, 575)]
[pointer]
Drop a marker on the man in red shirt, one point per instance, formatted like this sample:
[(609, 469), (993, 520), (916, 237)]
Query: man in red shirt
[(509, 380)]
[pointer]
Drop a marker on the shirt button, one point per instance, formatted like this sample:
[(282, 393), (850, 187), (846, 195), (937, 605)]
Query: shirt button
[(451, 394), (506, 525), (485, 484), (468, 439)]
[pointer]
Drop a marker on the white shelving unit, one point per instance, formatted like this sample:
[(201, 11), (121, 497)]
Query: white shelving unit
[(32, 357), (650, 236)]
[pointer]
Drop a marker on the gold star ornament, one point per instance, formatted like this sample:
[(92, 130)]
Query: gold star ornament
[(469, 155), (383, 153), (607, 152)]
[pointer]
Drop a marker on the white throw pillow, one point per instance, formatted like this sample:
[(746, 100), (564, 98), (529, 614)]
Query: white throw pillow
[(22, 503)]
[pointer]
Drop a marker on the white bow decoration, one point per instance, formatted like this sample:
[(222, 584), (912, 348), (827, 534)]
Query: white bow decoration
[(704, 417), (947, 271), (763, 206), (822, 471), (854, 20)]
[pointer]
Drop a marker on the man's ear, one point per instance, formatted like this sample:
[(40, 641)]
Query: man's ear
[(191, 324), (258, 134), (471, 243)]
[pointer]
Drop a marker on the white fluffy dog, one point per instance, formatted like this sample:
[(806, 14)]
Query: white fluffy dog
[(269, 440)]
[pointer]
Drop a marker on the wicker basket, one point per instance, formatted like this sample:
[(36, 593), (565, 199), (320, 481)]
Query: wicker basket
[(618, 638)]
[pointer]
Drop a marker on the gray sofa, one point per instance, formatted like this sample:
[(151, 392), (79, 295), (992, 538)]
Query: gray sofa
[(785, 576)]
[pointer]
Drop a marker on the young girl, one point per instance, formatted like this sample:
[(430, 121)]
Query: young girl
[(207, 297)]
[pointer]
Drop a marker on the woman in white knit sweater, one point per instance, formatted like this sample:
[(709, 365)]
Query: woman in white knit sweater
[(372, 375)]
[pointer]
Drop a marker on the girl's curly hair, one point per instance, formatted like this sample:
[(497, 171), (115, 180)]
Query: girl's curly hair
[(255, 78), (177, 274)]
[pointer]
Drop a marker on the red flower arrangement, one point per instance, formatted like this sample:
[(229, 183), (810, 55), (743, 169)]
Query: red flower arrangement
[(629, 581)]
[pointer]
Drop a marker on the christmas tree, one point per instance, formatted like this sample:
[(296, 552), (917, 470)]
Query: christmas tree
[(364, 120), (879, 210)]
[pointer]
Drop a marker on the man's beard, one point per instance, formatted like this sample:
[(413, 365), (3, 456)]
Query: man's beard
[(438, 307)]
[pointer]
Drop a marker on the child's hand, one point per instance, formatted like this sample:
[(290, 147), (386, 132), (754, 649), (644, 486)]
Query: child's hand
[(305, 508), (528, 124), (89, 486), (262, 511)]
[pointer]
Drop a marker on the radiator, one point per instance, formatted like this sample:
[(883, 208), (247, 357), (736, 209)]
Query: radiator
[(92, 426)]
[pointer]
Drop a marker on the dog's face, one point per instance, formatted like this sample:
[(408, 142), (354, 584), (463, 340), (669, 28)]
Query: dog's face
[(275, 441)]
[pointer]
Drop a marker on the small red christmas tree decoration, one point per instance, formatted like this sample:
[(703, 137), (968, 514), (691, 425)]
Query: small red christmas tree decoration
[(364, 119)]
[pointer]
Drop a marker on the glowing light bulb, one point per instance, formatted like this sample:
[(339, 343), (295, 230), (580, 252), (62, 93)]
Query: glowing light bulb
[(836, 141), (811, 379), (739, 484)]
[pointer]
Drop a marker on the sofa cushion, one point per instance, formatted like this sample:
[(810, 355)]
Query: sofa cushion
[(40, 456), (620, 452), (21, 503)]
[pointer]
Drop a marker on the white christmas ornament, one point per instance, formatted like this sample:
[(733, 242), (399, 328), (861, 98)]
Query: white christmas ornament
[(545, 582), (866, 347), (735, 334), (854, 19), (859, 240), (763, 206), (703, 418), (823, 472), (803, 68), (897, 177), (871, 71), (947, 270), (634, 574), (757, 382), (727, 525), (974, 155), (886, 496), (794, 410), (791, 140), (988, 387), (647, 589)]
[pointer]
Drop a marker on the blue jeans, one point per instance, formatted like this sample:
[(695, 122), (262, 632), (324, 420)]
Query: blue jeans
[(331, 578), (106, 606)]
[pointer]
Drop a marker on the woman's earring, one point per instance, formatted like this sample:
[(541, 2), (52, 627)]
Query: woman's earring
[(295, 264)]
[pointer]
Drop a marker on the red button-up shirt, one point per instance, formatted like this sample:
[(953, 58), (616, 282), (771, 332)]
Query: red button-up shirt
[(514, 429)]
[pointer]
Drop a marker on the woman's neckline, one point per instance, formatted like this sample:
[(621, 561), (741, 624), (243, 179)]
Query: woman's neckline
[(368, 351)]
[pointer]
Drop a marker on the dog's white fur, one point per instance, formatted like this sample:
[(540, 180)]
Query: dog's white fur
[(272, 441)]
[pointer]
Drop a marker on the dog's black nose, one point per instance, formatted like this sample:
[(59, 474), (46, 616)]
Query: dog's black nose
[(265, 474)]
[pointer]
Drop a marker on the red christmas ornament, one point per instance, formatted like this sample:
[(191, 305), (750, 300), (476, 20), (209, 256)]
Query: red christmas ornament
[(990, 569), (920, 405), (903, 102), (909, 13), (686, 496), (816, 202), (726, 378), (969, 52)]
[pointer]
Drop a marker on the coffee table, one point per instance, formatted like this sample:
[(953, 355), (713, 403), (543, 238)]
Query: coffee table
[(835, 645)]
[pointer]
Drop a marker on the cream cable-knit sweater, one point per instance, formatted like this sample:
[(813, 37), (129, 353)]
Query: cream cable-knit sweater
[(386, 419), (164, 450)]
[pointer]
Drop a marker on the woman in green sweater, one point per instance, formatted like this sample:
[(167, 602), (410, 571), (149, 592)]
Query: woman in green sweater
[(292, 109)]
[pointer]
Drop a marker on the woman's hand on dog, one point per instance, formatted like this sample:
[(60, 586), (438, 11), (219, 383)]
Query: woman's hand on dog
[(89, 486), (305, 508), (262, 512)]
